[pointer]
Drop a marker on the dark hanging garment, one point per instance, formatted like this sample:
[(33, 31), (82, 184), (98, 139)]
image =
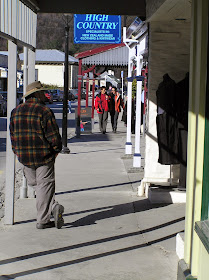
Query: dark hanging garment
[(182, 102), (167, 135), (166, 96), (167, 125)]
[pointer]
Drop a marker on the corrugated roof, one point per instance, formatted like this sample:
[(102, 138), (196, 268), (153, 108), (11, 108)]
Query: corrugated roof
[(117, 56), (114, 54), (98, 50), (51, 56)]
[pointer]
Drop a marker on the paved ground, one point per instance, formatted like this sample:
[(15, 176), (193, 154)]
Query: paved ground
[(109, 232)]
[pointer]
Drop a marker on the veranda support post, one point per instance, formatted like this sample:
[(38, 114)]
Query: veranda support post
[(10, 157)]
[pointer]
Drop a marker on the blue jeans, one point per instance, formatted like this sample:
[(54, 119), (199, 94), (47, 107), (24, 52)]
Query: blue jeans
[(69, 106)]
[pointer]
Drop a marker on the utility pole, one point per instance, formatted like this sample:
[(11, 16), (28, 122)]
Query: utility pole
[(65, 149)]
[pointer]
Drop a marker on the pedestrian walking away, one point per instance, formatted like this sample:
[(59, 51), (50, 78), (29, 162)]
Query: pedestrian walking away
[(101, 105), (36, 141), (69, 106), (115, 104)]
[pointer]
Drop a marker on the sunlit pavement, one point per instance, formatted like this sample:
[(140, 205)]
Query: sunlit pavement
[(109, 232)]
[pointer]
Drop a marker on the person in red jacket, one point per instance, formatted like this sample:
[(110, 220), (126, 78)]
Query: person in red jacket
[(116, 102), (101, 105)]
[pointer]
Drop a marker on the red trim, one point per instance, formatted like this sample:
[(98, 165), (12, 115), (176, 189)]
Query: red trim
[(92, 105), (87, 92), (79, 88), (98, 50), (88, 70)]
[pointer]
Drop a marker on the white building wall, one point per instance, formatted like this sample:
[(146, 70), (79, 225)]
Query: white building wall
[(169, 47), (51, 74), (74, 76)]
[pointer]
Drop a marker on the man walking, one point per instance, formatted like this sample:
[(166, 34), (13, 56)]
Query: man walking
[(36, 141), (101, 105), (115, 104)]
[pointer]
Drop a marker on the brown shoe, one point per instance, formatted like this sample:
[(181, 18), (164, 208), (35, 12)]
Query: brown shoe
[(47, 225), (57, 214)]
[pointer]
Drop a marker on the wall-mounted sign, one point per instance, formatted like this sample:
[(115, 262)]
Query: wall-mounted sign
[(97, 29)]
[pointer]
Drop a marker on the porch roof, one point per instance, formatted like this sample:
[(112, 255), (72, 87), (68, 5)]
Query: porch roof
[(51, 56), (114, 54), (91, 7)]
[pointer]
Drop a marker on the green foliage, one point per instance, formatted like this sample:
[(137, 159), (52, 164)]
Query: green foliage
[(51, 33), (54, 44), (50, 86), (74, 48)]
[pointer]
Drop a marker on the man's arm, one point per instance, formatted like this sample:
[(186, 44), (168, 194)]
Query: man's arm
[(122, 103), (97, 104), (52, 134)]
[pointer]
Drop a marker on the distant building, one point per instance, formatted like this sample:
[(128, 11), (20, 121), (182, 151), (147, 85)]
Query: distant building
[(108, 79), (4, 72), (49, 67), (113, 56)]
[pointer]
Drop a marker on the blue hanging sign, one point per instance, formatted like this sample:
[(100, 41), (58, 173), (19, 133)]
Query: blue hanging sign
[(97, 29)]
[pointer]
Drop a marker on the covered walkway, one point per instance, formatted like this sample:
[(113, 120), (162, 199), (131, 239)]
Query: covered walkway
[(18, 26), (109, 232)]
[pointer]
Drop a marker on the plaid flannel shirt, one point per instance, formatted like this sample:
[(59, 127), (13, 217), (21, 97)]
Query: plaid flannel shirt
[(34, 133)]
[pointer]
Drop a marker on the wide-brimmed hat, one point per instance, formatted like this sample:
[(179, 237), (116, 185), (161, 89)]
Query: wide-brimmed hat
[(33, 87)]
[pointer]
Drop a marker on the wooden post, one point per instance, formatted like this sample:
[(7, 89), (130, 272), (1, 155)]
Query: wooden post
[(10, 157)]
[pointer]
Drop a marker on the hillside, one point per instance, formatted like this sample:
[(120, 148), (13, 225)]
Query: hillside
[(51, 34)]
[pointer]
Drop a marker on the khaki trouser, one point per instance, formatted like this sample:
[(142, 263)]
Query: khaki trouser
[(103, 121), (43, 181)]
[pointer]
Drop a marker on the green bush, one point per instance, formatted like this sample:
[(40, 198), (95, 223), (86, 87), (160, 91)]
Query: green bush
[(50, 86)]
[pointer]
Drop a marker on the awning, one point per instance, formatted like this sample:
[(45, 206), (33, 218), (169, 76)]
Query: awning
[(116, 54)]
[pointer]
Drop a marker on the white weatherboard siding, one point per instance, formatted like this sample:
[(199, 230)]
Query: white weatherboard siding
[(18, 21), (51, 74)]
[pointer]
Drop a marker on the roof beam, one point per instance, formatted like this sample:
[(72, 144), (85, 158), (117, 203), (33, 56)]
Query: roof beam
[(32, 4), (91, 7)]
